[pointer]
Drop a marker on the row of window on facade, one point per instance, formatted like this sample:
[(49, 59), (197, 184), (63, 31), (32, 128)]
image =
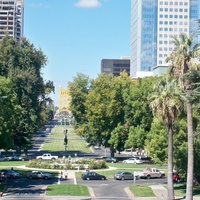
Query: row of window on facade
[(174, 10), (165, 49), (173, 23), (171, 3), (173, 29), (174, 16)]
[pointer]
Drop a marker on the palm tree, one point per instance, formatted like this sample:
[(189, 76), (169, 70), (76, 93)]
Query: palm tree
[(184, 59), (165, 104)]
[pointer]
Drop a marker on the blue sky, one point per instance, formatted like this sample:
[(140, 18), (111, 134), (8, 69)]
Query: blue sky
[(76, 35)]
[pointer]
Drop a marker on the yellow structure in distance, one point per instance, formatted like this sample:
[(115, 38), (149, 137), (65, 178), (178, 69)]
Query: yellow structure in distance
[(64, 99)]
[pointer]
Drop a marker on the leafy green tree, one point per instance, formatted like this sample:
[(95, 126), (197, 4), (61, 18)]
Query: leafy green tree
[(183, 59), (9, 113), (156, 142), (165, 104), (78, 91), (22, 64), (136, 138)]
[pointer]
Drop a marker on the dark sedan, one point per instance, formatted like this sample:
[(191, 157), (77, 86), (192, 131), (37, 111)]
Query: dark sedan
[(93, 176), (123, 176)]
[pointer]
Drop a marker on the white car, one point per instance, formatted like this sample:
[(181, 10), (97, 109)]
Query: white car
[(133, 161)]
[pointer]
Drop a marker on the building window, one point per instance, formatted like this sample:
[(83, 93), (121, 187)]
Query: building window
[(181, 16), (185, 16), (160, 61), (166, 29), (160, 55), (160, 29), (161, 22), (171, 10), (165, 42), (180, 10), (166, 22), (161, 16), (161, 9), (170, 29), (166, 9), (160, 42)]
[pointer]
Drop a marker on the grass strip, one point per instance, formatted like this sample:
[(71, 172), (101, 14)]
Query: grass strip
[(68, 190), (142, 191)]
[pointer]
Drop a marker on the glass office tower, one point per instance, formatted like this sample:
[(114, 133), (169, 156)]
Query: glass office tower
[(153, 23)]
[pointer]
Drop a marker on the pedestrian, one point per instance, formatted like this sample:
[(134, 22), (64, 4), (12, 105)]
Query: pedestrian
[(61, 175), (66, 174)]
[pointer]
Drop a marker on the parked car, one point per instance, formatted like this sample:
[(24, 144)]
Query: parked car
[(176, 177), (132, 161), (10, 173), (38, 175), (14, 157), (3, 158), (92, 176), (123, 176), (110, 160)]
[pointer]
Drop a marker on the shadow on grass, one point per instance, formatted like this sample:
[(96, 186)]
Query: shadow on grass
[(182, 189)]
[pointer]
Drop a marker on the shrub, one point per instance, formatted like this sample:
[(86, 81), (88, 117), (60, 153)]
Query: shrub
[(67, 165)]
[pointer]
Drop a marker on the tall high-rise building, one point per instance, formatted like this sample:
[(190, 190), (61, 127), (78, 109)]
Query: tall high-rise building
[(153, 24), (11, 18)]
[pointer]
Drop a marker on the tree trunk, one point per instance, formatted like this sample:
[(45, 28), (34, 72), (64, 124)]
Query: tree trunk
[(190, 165), (112, 151), (170, 184)]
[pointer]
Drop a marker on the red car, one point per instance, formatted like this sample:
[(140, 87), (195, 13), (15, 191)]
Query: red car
[(176, 177)]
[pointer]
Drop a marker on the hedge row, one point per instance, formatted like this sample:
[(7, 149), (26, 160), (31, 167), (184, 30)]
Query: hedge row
[(68, 164)]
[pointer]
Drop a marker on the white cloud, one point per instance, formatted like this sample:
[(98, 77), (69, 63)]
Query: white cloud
[(88, 3)]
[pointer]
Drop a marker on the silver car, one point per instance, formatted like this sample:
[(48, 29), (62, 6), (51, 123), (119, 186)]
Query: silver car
[(133, 161), (123, 176), (39, 175)]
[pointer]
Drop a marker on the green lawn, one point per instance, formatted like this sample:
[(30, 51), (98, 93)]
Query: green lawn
[(67, 190), (142, 191), (55, 142), (180, 190)]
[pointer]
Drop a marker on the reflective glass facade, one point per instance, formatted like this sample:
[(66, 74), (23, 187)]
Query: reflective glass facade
[(153, 24)]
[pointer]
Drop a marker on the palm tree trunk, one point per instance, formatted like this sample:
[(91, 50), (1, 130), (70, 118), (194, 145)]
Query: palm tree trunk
[(170, 184), (190, 165)]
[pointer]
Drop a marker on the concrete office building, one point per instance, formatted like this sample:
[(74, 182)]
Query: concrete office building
[(153, 23), (11, 18), (115, 66)]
